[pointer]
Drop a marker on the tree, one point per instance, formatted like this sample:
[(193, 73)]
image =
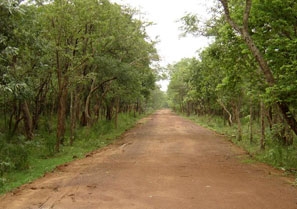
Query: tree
[(65, 63), (178, 86), (244, 32), (14, 86)]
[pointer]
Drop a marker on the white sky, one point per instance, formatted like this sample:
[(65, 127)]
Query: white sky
[(165, 13)]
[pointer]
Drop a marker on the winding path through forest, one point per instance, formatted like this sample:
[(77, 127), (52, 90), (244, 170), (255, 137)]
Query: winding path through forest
[(165, 162)]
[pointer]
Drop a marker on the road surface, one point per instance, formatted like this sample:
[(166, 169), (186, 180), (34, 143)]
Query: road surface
[(165, 162)]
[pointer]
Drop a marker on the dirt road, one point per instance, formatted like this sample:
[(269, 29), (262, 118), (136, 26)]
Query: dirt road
[(166, 162)]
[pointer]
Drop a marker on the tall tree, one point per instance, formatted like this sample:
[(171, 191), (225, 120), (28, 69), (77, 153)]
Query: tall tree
[(244, 30)]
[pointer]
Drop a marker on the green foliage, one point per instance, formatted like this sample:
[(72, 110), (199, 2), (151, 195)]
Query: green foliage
[(280, 156), (230, 92), (41, 158), (179, 84), (47, 143), (65, 67), (157, 100), (275, 154), (14, 154), (5, 165)]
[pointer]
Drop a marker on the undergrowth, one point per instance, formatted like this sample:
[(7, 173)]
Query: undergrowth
[(23, 161), (275, 153)]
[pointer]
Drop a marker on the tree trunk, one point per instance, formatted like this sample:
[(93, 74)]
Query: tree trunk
[(97, 108), (188, 109), (109, 110), (227, 111), (73, 114), (18, 119), (239, 127), (61, 127), (262, 114), (117, 112), (87, 110), (291, 121), (88, 118), (39, 102), (27, 120), (244, 31), (251, 124)]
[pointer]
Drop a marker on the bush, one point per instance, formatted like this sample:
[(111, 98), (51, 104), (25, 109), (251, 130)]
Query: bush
[(14, 155), (280, 149), (39, 155), (49, 143), (280, 156)]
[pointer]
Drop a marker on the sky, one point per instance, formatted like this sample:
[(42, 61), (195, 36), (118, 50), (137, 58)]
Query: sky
[(165, 14)]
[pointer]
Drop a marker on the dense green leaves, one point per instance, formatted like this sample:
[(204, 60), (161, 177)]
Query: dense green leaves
[(69, 63), (229, 79)]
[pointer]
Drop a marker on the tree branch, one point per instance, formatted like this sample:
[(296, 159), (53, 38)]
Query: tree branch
[(228, 17), (226, 110), (246, 15), (284, 107)]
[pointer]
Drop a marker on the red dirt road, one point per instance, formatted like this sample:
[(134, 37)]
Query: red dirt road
[(166, 162)]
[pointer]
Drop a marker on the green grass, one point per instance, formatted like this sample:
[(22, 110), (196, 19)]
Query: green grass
[(275, 154), (42, 159)]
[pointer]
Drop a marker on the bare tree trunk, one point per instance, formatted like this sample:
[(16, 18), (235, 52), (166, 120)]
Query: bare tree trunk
[(18, 119), (61, 128), (73, 116), (262, 113), (39, 101), (97, 108), (87, 111), (188, 109), (105, 85), (109, 109), (239, 127), (117, 112), (227, 111), (27, 120), (244, 31), (251, 124)]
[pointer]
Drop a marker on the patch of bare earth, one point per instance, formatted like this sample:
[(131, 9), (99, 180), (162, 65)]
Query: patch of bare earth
[(166, 162)]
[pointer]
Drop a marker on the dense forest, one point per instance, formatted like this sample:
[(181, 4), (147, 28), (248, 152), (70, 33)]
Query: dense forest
[(246, 78), (73, 71), (65, 65)]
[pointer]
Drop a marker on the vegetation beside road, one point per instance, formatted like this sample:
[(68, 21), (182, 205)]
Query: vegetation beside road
[(244, 82), (275, 154), (74, 74), (39, 157)]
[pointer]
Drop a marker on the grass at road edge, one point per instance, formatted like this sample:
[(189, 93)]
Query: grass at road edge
[(281, 157), (87, 140)]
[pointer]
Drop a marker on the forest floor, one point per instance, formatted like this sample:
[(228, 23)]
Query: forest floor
[(164, 162)]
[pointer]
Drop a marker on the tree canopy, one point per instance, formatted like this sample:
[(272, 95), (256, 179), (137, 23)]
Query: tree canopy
[(73, 61), (251, 61)]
